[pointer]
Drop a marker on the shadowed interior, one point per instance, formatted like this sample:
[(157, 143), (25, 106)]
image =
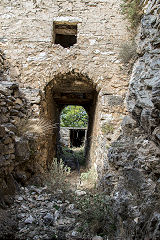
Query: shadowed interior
[(63, 90)]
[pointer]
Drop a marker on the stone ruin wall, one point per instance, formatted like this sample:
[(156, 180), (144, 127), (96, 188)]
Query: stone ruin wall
[(14, 149), (132, 167), (27, 41), (65, 138), (17, 148)]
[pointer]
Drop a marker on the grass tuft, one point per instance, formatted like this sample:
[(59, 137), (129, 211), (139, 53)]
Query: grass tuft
[(38, 127), (58, 175), (133, 11)]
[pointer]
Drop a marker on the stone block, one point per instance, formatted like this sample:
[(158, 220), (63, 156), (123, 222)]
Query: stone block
[(7, 140), (22, 149), (2, 132), (2, 148)]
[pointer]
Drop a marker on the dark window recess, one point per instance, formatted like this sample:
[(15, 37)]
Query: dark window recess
[(77, 137), (65, 35)]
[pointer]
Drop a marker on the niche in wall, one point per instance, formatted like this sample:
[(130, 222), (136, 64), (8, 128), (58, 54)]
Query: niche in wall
[(65, 34)]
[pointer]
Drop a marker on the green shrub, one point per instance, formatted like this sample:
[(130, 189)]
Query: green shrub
[(58, 175), (90, 176), (132, 9), (73, 116), (79, 154), (96, 214), (76, 154)]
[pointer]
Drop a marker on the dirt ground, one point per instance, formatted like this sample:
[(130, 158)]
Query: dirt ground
[(8, 225)]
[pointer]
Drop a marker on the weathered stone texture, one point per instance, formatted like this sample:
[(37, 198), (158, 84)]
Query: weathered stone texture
[(4, 67), (16, 163), (144, 94), (131, 172), (36, 62), (132, 169), (27, 38)]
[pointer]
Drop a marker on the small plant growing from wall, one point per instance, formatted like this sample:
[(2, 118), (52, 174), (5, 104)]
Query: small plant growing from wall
[(107, 128), (35, 126), (133, 11)]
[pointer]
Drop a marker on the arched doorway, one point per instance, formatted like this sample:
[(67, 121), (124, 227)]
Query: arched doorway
[(68, 89)]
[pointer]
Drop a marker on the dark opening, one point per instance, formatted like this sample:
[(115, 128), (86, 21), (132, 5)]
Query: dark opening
[(65, 40), (65, 35), (66, 90), (77, 137), (72, 141)]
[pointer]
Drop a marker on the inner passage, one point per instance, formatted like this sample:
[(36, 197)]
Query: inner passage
[(73, 132)]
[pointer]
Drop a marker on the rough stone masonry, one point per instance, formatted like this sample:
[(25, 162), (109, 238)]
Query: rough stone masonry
[(92, 64), (132, 170), (89, 70)]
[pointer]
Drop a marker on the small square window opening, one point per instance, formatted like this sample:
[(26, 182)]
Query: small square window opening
[(65, 34)]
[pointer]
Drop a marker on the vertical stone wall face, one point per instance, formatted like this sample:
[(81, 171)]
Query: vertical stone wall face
[(132, 172), (17, 146), (14, 147), (27, 40), (65, 136)]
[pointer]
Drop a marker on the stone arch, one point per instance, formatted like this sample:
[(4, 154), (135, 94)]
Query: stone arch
[(67, 89)]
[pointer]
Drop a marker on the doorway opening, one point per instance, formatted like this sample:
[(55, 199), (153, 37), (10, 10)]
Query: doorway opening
[(77, 137), (70, 90), (73, 132)]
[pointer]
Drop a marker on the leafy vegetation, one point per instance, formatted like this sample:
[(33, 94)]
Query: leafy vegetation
[(73, 116), (90, 177), (107, 128), (74, 154), (132, 9), (96, 215), (58, 175)]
